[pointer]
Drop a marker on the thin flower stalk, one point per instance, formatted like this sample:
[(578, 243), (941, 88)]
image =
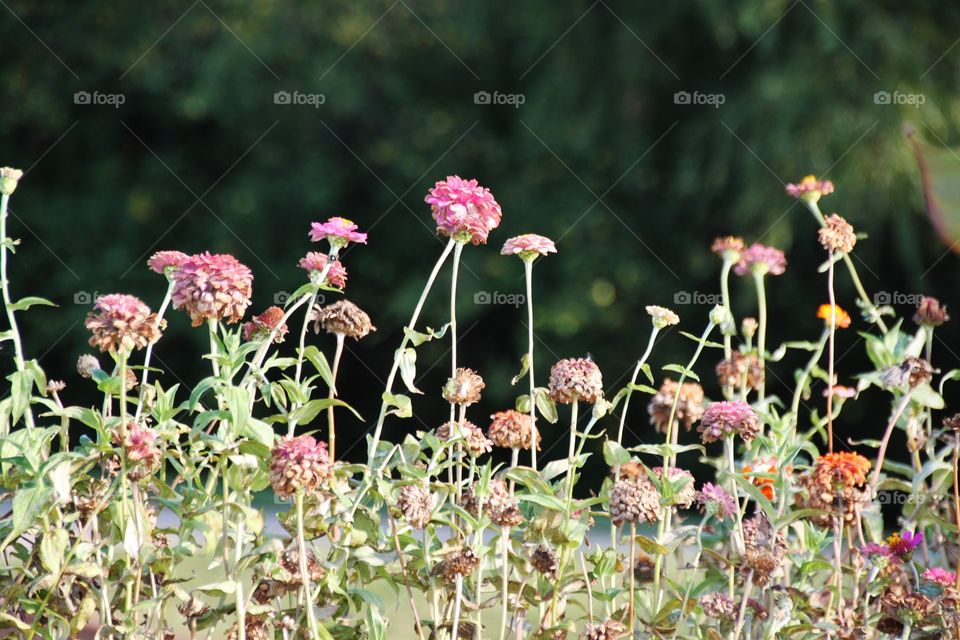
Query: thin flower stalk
[(528, 276), (149, 353), (831, 352), (758, 279), (332, 393), (5, 289)]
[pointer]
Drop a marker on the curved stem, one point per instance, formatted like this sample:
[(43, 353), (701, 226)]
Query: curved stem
[(743, 606), (528, 273), (298, 371), (886, 440), (149, 353), (725, 293), (762, 333), (304, 573), (5, 288)]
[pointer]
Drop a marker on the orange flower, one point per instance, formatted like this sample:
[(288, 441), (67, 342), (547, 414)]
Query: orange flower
[(845, 468), (843, 318), (765, 484)]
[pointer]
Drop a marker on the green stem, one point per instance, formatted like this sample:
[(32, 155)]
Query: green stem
[(5, 288), (149, 353), (831, 354), (528, 273), (304, 573), (762, 334), (725, 293)]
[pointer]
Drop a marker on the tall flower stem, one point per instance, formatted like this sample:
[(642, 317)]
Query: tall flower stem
[(848, 261), (571, 472), (633, 578), (5, 288), (454, 277), (332, 440), (302, 344), (214, 350), (149, 353), (956, 491), (732, 467), (304, 573), (406, 579), (831, 352), (762, 333), (391, 378), (528, 273), (878, 466), (748, 587), (725, 293)]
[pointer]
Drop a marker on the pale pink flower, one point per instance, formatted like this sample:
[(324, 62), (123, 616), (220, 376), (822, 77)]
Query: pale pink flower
[(262, 325), (528, 246), (715, 500), (338, 231), (574, 379), (121, 322), (761, 259), (163, 260), (463, 210), (940, 576), (298, 463), (314, 262), (212, 287), (726, 419), (810, 188)]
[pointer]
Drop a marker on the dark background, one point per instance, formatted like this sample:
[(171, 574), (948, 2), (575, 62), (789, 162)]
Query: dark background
[(599, 156)]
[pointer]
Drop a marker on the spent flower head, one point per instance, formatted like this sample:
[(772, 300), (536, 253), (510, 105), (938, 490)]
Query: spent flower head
[(575, 379), (464, 388), (121, 322), (689, 406), (463, 210), (263, 325), (339, 232), (838, 235), (528, 246), (315, 263), (212, 287), (727, 419), (342, 318), (511, 429), (715, 500), (930, 313), (299, 463)]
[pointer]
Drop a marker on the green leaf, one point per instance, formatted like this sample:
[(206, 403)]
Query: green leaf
[(21, 383), (28, 504), (699, 340), (416, 338), (676, 368), (614, 454), (402, 407), (408, 369), (524, 368), (548, 502), (545, 405), (650, 546), (925, 395), (53, 549), (25, 303), (305, 414), (319, 361)]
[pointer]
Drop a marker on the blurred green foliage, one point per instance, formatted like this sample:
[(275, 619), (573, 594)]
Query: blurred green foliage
[(599, 156)]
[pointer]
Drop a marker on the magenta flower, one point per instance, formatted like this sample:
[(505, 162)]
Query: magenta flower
[(314, 262), (163, 260), (121, 322), (872, 549), (528, 246), (903, 544), (212, 287), (810, 188), (726, 419), (463, 210), (339, 232), (715, 500), (761, 259), (940, 576)]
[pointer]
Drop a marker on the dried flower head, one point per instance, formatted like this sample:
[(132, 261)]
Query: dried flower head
[(464, 387), (686, 494), (87, 364), (952, 423), (718, 606), (728, 247), (544, 559), (9, 178), (254, 627), (193, 608), (462, 563), (828, 312), (498, 504), (339, 232), (765, 548), (342, 318), (166, 262), (120, 322), (140, 448), (315, 263), (930, 313), (298, 463), (662, 317), (634, 500), (689, 406), (835, 486), (212, 287), (762, 260), (576, 379), (263, 325), (912, 372), (838, 235), (416, 504), (728, 418), (609, 630), (840, 391), (463, 210), (740, 369), (715, 501), (511, 429), (290, 564), (474, 442), (528, 246), (810, 189)]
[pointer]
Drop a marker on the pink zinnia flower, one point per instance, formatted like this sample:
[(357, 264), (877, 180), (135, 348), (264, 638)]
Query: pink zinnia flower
[(140, 448), (463, 209), (726, 419), (940, 576), (338, 231), (262, 325), (810, 188), (715, 500), (163, 260), (121, 322), (840, 391), (212, 287), (298, 463), (903, 544), (528, 246), (761, 259), (314, 262), (872, 549)]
